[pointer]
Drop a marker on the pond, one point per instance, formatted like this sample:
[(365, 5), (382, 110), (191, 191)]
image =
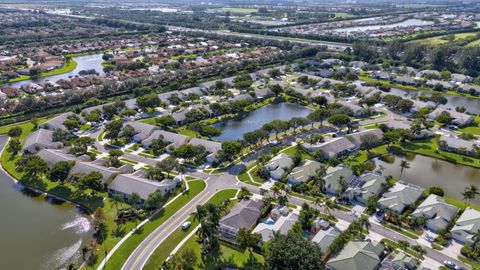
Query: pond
[(472, 105), (37, 232), (234, 129), (406, 23), (86, 62), (427, 172)]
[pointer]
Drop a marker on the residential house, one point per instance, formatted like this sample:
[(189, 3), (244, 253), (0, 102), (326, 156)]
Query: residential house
[(319, 224), (324, 238), (460, 146), (459, 119), (368, 184), (337, 179), (469, 89), (211, 147), (400, 196), (38, 140), (405, 80), (85, 168), (244, 215), (429, 72), (399, 261), (333, 148), (356, 138), (380, 75), (358, 111), (434, 84), (57, 122), (175, 139), (126, 184), (52, 156), (143, 130), (277, 165), (439, 213), (281, 225), (304, 172), (460, 78), (357, 255), (466, 226)]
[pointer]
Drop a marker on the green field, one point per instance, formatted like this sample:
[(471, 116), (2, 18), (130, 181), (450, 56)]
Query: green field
[(443, 39)]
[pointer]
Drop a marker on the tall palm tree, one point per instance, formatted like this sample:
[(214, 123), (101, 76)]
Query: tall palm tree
[(476, 240), (403, 165), (469, 194), (328, 206)]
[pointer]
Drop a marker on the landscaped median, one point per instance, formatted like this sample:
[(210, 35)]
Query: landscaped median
[(162, 252), (121, 254)]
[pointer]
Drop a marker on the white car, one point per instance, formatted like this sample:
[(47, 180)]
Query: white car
[(186, 225)]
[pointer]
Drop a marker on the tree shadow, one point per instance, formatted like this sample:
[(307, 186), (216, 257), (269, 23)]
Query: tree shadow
[(119, 231)]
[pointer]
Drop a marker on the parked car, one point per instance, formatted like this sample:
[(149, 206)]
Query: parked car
[(186, 225), (451, 265)]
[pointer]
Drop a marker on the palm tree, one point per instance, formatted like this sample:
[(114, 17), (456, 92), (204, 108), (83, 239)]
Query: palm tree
[(403, 244), (328, 206), (365, 223), (476, 240), (469, 194), (403, 165), (115, 198)]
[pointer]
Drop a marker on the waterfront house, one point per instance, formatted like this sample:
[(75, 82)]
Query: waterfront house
[(53, 156), (244, 215), (434, 84), (466, 226), (469, 89), (278, 164), (459, 119), (429, 72), (439, 213), (357, 255), (405, 80), (38, 140), (460, 146), (400, 196)]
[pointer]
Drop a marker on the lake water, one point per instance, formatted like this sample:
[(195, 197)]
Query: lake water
[(86, 62), (428, 172), (406, 23), (37, 232), (472, 105), (234, 129)]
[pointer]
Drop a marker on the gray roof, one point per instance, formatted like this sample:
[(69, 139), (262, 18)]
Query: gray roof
[(51, 156), (356, 138), (241, 97), (459, 118), (41, 137), (243, 215), (439, 213), (400, 196), (333, 146), (357, 255), (305, 171), (164, 97), (369, 184), (130, 183), (324, 238), (210, 146), (143, 130), (57, 122), (279, 162), (457, 143), (174, 138), (282, 225), (334, 174), (468, 222), (84, 168)]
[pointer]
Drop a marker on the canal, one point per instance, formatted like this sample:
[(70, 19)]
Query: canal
[(234, 129), (37, 232), (428, 172), (93, 61), (470, 104)]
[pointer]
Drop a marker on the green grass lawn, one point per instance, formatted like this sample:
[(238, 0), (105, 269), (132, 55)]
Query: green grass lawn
[(163, 251), (244, 176), (473, 129), (188, 132), (121, 255), (443, 39), (67, 67), (395, 245)]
